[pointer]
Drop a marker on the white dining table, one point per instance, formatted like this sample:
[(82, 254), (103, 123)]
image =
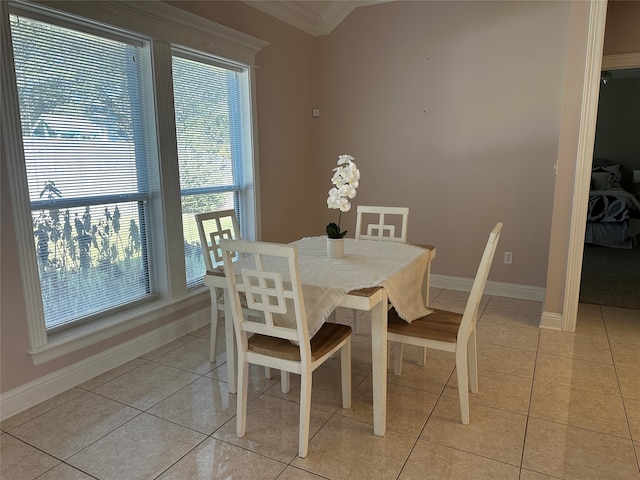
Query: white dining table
[(370, 274)]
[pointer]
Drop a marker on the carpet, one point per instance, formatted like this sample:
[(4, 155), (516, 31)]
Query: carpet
[(611, 277)]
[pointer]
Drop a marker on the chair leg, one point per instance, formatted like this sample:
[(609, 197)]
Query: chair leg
[(345, 373), (305, 413), (472, 358), (355, 322), (397, 359), (241, 408), (214, 324), (285, 381), (267, 372), (463, 383), (422, 359)]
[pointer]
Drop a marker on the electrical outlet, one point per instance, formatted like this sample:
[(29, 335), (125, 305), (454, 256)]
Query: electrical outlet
[(508, 257), (315, 112)]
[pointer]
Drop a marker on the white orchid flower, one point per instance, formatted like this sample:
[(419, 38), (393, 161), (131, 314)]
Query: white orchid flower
[(346, 178)]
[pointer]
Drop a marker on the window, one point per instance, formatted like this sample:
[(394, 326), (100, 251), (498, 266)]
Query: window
[(83, 136), (208, 130), (96, 221)]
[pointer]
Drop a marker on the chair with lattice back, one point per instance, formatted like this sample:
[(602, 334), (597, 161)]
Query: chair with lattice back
[(212, 228), (271, 284)]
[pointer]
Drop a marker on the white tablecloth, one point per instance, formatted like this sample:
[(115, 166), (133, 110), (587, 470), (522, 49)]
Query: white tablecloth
[(398, 267)]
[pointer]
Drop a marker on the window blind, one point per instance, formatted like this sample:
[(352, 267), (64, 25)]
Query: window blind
[(81, 114)]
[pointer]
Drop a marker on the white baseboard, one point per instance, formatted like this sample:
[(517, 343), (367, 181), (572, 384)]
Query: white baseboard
[(512, 290), (551, 321), (37, 391)]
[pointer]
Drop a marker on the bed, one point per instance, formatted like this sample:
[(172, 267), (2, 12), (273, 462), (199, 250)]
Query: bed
[(613, 215)]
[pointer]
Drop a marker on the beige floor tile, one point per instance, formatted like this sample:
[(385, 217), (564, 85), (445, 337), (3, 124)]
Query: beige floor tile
[(157, 444), (574, 453), (407, 408), (430, 461), (326, 390), (629, 379), (507, 335), (168, 347), (347, 449), (360, 359), (37, 410), (632, 408), (272, 428), (491, 433), (576, 373), (590, 326), (192, 357), (624, 332), (501, 359), (530, 475), (214, 459), (451, 305), (510, 316), (257, 380), (293, 473), (588, 310), (72, 426), (19, 461), (515, 303), (617, 314), (431, 377), (147, 385), (626, 355), (204, 405), (460, 296), (111, 374), (64, 472), (594, 348), (498, 390), (579, 408)]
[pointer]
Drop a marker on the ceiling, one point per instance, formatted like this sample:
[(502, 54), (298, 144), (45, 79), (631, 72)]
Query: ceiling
[(313, 17)]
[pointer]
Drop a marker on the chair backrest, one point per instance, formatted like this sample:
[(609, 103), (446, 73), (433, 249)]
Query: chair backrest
[(212, 228), (470, 314), (386, 222), (269, 278)]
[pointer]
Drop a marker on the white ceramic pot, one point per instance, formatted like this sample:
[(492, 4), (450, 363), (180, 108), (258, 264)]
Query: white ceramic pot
[(335, 247)]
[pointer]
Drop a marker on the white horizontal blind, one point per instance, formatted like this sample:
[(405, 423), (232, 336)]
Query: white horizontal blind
[(208, 129), (80, 110)]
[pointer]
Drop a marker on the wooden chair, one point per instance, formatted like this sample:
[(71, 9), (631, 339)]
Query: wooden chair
[(449, 331), (285, 345), (212, 228)]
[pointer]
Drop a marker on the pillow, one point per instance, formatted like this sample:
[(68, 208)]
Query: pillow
[(613, 173), (600, 181)]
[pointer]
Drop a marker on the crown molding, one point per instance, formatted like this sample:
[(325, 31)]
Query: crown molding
[(314, 18)]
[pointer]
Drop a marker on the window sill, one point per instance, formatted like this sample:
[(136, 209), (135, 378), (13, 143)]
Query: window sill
[(71, 340)]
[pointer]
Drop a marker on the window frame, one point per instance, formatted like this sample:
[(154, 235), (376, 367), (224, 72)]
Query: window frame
[(162, 26)]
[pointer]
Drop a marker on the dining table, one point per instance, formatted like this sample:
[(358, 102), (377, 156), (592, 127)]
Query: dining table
[(371, 275)]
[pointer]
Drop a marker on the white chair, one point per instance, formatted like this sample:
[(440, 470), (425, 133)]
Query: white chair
[(387, 224), (286, 345), (449, 331), (381, 227), (212, 228)]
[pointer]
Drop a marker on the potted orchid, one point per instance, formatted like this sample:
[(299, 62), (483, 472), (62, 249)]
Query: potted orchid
[(345, 180)]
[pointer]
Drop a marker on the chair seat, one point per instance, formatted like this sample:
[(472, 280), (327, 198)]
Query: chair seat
[(441, 326), (329, 335)]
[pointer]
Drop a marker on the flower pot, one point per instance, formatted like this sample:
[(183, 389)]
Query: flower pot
[(335, 247)]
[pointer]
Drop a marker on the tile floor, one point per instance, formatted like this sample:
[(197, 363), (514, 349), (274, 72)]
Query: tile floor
[(551, 405)]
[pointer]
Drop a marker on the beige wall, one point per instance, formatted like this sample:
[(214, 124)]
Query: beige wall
[(450, 108)]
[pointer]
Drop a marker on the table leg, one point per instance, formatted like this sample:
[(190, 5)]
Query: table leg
[(232, 367), (379, 365)]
